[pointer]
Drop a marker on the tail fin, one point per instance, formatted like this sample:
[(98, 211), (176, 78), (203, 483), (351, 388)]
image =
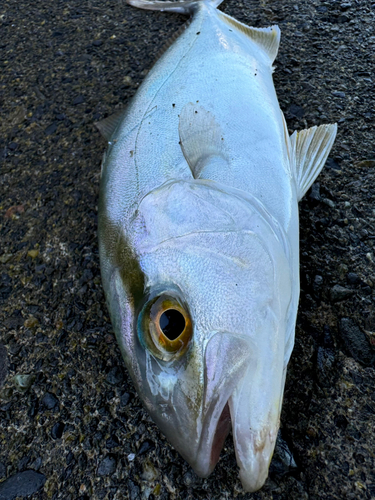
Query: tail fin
[(180, 7)]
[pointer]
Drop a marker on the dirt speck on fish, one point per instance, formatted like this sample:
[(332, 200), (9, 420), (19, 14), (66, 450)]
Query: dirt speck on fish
[(198, 235)]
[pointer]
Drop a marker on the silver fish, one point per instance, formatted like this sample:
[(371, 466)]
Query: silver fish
[(198, 234)]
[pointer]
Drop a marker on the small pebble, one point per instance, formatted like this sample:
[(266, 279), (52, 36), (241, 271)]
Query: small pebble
[(356, 342), (352, 278), (145, 446), (107, 466), (33, 253), (115, 376), (21, 485), (24, 382), (338, 293), (57, 430), (50, 401), (329, 203)]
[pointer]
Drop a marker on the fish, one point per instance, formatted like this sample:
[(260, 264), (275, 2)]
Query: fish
[(199, 237)]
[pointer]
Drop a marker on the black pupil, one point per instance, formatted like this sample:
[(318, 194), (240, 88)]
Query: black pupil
[(172, 323)]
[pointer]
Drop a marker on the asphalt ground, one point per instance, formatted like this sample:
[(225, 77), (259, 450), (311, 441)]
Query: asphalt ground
[(71, 425)]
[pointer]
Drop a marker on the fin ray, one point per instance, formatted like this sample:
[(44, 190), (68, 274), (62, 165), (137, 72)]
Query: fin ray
[(201, 138), (108, 125), (268, 39), (310, 149)]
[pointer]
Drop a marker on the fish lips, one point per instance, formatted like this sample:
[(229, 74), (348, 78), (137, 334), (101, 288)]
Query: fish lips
[(228, 359), (227, 356)]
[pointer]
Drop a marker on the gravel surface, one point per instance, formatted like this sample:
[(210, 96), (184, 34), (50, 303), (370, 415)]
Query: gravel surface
[(71, 425)]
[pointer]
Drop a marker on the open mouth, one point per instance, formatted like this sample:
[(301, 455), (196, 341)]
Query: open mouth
[(222, 430)]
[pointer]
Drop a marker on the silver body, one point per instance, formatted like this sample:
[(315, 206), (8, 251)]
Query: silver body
[(199, 184)]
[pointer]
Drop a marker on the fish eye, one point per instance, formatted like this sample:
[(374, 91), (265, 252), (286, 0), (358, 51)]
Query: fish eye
[(164, 327), (172, 323)]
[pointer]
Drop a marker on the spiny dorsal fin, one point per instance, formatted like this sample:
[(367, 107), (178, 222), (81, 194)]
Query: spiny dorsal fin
[(310, 149), (108, 125), (267, 38), (201, 138)]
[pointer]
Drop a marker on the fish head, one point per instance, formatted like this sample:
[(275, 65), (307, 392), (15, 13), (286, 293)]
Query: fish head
[(199, 302)]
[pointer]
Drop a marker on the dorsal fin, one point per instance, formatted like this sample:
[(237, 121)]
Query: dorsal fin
[(108, 125), (267, 38), (179, 7), (201, 138), (310, 149)]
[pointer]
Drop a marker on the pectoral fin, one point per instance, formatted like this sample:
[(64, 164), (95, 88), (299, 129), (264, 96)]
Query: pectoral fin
[(108, 125), (310, 149), (201, 139)]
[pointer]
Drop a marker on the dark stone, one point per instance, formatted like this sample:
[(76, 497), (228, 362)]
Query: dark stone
[(107, 466), (338, 293), (82, 461), (341, 422), (69, 458), (352, 278), (296, 111), (134, 491), (3, 364), (112, 442), (315, 192), (36, 465), (21, 484), (97, 43), (282, 461), (13, 146), (330, 163), (145, 447), (115, 376), (50, 401), (356, 342), (51, 129), (124, 400), (78, 100), (57, 430)]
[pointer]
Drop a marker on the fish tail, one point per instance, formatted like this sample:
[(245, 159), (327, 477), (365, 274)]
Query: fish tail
[(179, 7)]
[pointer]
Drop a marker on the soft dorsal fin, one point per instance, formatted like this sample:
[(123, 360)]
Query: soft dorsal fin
[(268, 39), (310, 149), (108, 125), (201, 138)]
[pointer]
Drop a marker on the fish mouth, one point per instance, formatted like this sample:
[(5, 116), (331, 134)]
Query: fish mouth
[(229, 405), (253, 450), (223, 428)]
